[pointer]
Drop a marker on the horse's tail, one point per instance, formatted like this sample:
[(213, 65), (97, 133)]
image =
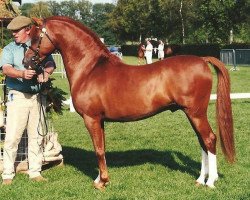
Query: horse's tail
[(224, 109)]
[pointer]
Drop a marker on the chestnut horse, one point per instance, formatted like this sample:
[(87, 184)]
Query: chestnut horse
[(103, 88), (172, 50), (141, 54)]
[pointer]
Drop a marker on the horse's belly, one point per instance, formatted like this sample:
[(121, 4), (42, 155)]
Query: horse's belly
[(133, 110)]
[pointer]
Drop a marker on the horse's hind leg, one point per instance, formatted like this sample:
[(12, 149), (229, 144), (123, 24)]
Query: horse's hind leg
[(96, 130), (204, 168), (207, 141)]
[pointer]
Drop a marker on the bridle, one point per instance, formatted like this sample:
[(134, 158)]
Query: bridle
[(36, 59)]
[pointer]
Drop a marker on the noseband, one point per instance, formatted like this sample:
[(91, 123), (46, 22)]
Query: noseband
[(36, 59)]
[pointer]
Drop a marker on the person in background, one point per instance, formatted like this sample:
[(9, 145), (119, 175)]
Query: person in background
[(161, 50), (149, 52), (24, 101)]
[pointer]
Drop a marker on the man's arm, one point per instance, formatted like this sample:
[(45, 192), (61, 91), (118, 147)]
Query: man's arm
[(10, 71)]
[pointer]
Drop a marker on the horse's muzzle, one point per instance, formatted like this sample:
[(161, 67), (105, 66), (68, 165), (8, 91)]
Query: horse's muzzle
[(28, 60)]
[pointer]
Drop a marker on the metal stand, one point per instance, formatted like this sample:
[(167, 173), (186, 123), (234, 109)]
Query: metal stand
[(234, 68)]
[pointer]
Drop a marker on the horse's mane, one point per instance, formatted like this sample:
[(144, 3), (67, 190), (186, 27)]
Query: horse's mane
[(105, 54)]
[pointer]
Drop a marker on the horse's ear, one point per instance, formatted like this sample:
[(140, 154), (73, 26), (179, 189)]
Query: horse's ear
[(37, 21)]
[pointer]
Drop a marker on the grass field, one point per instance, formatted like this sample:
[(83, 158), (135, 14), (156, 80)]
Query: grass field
[(157, 158)]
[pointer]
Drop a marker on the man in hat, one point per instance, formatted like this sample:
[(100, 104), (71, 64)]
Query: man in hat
[(24, 101)]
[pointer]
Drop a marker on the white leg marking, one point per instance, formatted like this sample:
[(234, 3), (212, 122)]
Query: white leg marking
[(204, 168), (212, 170), (97, 180)]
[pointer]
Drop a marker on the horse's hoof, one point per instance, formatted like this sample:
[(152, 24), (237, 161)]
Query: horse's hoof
[(210, 186), (100, 185), (210, 182), (197, 184)]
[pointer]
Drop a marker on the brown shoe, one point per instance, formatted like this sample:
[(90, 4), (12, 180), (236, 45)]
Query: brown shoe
[(39, 179), (7, 182)]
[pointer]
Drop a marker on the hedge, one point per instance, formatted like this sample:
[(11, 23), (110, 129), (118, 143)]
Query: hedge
[(190, 49)]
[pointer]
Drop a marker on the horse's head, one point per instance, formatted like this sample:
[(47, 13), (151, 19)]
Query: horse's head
[(41, 44), (172, 50)]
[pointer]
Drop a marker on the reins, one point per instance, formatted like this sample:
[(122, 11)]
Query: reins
[(42, 118), (36, 59)]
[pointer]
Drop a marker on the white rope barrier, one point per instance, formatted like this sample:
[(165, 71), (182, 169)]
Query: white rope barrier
[(233, 96)]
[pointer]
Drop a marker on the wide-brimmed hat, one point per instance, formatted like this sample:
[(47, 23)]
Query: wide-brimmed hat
[(19, 22)]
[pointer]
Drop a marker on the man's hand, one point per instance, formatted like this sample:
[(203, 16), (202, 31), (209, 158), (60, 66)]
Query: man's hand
[(28, 73), (43, 77)]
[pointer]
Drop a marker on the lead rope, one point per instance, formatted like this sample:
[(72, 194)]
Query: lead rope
[(42, 116), (42, 128)]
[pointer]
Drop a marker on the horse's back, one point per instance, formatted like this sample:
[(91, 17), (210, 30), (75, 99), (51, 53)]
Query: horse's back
[(187, 66), (176, 75)]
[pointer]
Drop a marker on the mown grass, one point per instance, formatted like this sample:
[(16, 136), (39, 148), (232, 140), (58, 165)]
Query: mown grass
[(156, 158)]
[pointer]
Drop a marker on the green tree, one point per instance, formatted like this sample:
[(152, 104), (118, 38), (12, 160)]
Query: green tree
[(7, 37), (155, 20), (179, 20), (176, 21), (94, 16), (25, 9), (99, 22), (242, 33), (152, 18), (40, 10), (220, 17), (130, 18), (55, 8), (80, 10)]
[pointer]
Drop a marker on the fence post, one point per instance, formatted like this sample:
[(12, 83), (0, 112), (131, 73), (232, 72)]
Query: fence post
[(234, 68), (59, 65)]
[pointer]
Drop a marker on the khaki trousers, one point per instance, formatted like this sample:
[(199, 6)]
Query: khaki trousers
[(23, 112)]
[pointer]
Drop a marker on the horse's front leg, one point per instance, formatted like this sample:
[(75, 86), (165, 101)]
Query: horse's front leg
[(96, 130)]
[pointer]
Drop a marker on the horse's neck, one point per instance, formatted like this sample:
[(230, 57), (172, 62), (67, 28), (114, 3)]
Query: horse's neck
[(80, 52), (77, 68)]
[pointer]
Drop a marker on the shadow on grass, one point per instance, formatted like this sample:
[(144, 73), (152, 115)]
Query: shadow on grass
[(86, 161)]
